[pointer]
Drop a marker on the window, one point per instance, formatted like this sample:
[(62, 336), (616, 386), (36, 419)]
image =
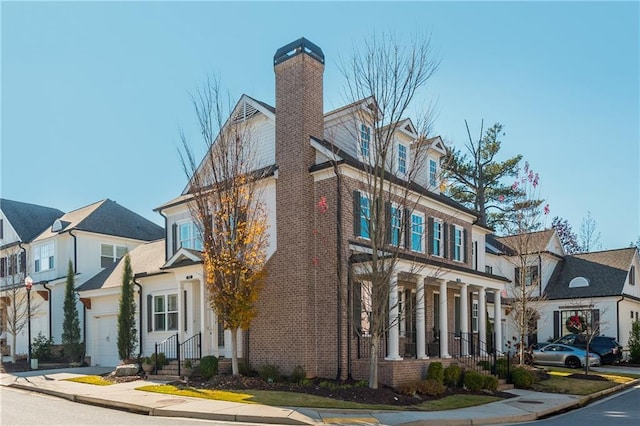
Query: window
[(402, 159), (433, 173), (365, 140), (365, 211), (165, 312), (189, 236), (110, 253), (632, 276), (474, 316), (220, 333), (488, 269), (530, 275), (44, 258), (365, 307), (437, 238), (578, 321), (1, 229), (457, 244), (417, 232), (395, 225)]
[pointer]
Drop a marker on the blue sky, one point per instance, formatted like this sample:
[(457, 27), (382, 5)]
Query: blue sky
[(94, 94)]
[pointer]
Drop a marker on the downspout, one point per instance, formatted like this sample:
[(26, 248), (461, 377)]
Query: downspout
[(349, 314), (539, 275), (50, 322), (618, 318), (75, 252), (137, 284)]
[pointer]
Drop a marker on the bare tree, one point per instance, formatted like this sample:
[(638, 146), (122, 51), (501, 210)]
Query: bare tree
[(383, 78), (226, 205), (525, 247), (585, 319), (15, 297), (589, 234)]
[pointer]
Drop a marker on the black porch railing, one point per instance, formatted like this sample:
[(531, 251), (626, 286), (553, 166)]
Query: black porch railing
[(473, 352), (190, 349), (364, 347)]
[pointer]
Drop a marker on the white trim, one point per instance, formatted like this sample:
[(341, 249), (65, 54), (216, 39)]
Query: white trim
[(181, 254)]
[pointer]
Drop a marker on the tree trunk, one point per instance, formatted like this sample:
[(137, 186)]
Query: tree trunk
[(234, 352), (373, 362), (13, 347)]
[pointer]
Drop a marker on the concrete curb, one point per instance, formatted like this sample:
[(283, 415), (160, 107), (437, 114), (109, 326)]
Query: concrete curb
[(67, 396), (167, 412)]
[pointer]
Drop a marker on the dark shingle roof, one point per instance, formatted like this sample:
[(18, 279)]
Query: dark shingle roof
[(606, 272), (28, 220), (109, 218), (532, 242)]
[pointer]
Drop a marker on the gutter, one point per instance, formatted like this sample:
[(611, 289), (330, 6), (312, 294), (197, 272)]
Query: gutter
[(350, 263), (137, 284)]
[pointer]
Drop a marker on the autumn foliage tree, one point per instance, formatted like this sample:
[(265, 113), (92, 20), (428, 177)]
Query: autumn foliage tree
[(227, 206)]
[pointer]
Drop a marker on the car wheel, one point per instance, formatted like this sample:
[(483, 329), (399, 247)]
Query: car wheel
[(572, 362)]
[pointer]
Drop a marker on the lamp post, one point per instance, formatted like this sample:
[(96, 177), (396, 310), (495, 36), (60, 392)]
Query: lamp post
[(28, 283)]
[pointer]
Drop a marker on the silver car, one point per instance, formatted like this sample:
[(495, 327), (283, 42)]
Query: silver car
[(564, 356)]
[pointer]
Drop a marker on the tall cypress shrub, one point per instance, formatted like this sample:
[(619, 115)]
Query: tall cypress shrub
[(71, 324), (127, 333)]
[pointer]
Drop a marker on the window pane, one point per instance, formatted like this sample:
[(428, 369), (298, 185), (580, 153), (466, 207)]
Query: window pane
[(159, 322), (172, 302), (106, 250), (172, 321), (364, 217), (159, 304), (121, 252), (105, 262)]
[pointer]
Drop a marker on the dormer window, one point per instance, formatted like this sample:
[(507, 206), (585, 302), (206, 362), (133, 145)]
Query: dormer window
[(189, 236), (365, 140), (402, 159)]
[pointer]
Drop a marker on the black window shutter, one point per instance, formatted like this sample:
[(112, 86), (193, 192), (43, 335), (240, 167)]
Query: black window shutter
[(356, 214), (406, 219), (184, 303), (149, 313), (430, 234), (174, 238), (445, 239), (3, 267), (556, 325), (517, 276), (465, 238), (595, 321), (388, 222), (23, 261)]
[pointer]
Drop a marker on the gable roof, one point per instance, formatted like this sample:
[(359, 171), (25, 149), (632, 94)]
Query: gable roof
[(28, 220), (109, 218), (532, 242), (145, 259), (606, 272)]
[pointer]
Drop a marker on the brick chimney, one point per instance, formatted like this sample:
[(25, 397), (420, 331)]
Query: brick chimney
[(287, 338)]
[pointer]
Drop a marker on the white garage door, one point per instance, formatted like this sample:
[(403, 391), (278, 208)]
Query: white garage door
[(105, 345)]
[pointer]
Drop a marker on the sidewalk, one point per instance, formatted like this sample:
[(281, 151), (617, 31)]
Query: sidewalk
[(527, 406)]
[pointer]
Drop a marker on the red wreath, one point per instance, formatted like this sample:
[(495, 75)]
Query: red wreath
[(576, 324)]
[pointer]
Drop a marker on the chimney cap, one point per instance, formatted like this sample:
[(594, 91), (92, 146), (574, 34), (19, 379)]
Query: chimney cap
[(302, 45)]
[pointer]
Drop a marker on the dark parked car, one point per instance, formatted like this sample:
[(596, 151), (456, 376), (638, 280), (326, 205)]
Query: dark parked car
[(608, 348)]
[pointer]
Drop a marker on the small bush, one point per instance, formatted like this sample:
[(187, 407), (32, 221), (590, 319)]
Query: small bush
[(208, 366), (410, 388), (453, 375), (246, 369), (490, 383), (298, 375), (436, 372), (270, 373), (634, 342), (431, 387), (41, 348), (484, 364), (522, 378), (473, 380)]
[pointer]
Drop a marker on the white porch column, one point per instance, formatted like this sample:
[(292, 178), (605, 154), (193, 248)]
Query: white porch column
[(464, 318), (393, 345), (181, 311), (482, 320), (205, 336), (444, 325), (497, 319), (421, 346)]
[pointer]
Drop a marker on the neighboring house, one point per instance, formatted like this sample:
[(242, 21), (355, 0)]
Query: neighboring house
[(92, 238), (602, 286), (303, 311), (20, 223)]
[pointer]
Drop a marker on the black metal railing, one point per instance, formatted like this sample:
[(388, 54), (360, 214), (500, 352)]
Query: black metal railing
[(170, 347), (470, 350), (364, 347), (190, 349)]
